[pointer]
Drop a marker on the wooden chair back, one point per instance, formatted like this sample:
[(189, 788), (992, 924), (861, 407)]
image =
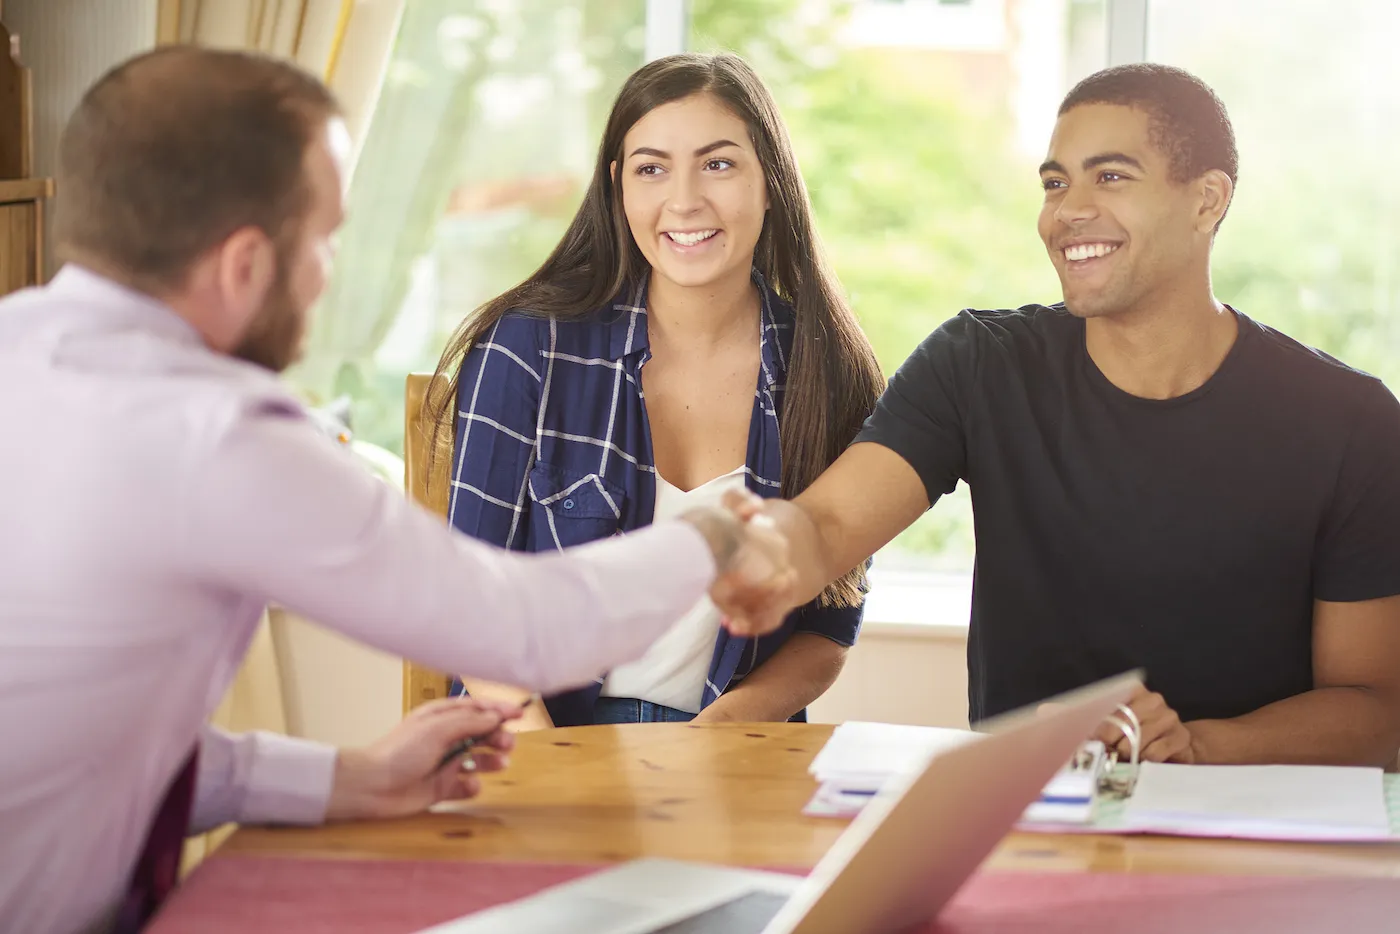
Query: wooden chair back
[(421, 684)]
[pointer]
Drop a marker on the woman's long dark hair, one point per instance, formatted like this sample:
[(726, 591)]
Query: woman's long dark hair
[(833, 378)]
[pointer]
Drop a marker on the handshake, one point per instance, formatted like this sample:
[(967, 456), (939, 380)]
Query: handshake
[(755, 582)]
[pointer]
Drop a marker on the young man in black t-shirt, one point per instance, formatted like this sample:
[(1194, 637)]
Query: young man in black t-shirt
[(1157, 479)]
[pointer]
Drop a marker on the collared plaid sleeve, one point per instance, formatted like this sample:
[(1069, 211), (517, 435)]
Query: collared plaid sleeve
[(839, 624), (498, 402)]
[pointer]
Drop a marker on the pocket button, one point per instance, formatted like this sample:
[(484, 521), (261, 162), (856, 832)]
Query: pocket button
[(568, 504)]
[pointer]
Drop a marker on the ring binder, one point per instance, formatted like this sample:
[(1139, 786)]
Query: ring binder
[(1102, 791), (1094, 756)]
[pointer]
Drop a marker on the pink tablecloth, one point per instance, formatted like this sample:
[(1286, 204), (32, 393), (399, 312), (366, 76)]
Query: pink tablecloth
[(281, 896)]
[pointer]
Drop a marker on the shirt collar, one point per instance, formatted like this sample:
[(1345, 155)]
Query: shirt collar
[(627, 322), (82, 284)]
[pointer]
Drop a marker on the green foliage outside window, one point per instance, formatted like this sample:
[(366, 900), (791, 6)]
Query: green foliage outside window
[(924, 205)]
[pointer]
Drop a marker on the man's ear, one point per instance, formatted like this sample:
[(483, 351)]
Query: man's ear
[(247, 269), (1216, 191)]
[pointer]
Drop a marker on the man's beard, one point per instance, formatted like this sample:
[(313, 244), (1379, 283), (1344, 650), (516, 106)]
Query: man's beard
[(274, 338)]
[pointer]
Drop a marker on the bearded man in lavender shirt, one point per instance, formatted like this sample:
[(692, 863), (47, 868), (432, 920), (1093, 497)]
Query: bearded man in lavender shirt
[(161, 486)]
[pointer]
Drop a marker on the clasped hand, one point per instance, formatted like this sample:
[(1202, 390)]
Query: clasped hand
[(755, 587)]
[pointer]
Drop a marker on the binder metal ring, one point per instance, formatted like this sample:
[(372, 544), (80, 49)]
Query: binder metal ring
[(1122, 785)]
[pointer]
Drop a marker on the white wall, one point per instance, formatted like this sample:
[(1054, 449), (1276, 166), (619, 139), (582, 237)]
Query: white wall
[(334, 689), (69, 44), (338, 691), (901, 673)]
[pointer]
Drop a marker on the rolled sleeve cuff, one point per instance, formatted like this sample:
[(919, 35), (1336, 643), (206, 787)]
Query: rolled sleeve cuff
[(839, 624), (289, 781), (261, 778)]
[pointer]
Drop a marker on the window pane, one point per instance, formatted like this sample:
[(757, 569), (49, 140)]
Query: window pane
[(1311, 245), (477, 156), (919, 125)]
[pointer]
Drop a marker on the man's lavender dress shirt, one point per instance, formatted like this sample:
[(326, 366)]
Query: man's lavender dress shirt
[(154, 496)]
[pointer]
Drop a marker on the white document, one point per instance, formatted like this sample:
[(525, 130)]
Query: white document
[(1079, 784), (861, 756), (1266, 802)]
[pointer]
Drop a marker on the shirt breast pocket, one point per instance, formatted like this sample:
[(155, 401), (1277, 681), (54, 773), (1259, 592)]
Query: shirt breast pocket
[(572, 508)]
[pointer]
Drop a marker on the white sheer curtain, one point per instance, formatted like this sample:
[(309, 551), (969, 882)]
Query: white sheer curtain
[(347, 44), (344, 42)]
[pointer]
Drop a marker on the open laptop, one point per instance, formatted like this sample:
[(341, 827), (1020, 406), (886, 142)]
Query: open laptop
[(897, 864)]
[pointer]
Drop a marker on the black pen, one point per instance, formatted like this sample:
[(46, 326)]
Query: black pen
[(465, 745)]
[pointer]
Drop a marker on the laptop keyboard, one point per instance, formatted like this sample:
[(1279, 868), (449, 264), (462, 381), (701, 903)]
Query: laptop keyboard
[(747, 914)]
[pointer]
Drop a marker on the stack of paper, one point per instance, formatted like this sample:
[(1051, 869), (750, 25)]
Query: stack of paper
[(1070, 795), (1261, 802), (860, 757)]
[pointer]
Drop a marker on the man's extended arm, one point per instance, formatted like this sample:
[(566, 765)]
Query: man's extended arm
[(276, 513), (862, 501)]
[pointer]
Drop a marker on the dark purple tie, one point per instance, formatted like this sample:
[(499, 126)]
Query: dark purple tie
[(158, 868)]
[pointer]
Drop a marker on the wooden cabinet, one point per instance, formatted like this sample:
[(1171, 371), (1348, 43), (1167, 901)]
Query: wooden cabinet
[(21, 197), (22, 232)]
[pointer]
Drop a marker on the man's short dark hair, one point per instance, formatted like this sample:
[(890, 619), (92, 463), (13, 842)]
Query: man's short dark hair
[(1188, 121), (171, 152)]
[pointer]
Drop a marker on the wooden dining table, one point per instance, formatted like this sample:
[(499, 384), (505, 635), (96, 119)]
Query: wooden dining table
[(730, 794)]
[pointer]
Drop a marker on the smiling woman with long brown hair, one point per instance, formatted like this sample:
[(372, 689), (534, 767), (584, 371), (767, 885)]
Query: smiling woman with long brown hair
[(684, 338)]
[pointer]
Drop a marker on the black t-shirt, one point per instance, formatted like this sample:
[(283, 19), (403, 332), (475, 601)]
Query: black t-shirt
[(1187, 536)]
